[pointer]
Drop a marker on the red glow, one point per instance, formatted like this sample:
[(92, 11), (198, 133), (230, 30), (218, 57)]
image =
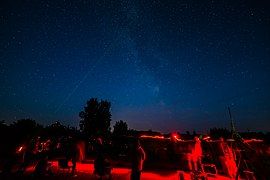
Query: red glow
[(20, 149), (196, 155), (206, 138), (175, 136), (122, 173), (252, 140), (87, 171), (227, 160), (154, 137)]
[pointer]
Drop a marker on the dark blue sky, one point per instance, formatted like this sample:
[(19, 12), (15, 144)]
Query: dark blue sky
[(164, 65)]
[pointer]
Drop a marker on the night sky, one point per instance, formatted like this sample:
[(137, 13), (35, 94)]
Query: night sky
[(164, 65)]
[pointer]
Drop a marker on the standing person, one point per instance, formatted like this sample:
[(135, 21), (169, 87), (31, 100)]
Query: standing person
[(70, 150), (74, 156), (138, 157), (43, 167), (197, 155), (102, 166), (99, 161)]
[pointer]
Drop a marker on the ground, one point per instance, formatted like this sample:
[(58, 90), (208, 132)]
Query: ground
[(85, 171)]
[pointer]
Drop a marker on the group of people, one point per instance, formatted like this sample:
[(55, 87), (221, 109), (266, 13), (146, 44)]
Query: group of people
[(138, 157), (70, 152), (102, 165)]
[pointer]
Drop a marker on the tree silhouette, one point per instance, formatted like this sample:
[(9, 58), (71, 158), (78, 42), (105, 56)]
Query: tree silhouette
[(26, 127), (2, 123), (120, 128), (96, 118), (3, 128), (24, 130), (56, 129), (4, 132)]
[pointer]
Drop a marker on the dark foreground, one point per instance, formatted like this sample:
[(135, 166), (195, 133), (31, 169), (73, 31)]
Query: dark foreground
[(85, 171)]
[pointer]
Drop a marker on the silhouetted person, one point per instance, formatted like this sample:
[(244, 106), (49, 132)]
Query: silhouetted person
[(101, 164), (138, 156), (27, 159), (43, 167), (74, 155), (197, 155), (71, 152)]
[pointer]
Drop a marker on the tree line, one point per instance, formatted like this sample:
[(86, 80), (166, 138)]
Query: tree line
[(95, 121)]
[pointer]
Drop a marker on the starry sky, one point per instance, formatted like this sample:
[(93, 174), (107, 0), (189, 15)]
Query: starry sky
[(172, 65)]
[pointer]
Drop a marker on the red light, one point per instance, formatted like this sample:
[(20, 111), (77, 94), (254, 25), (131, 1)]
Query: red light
[(20, 149), (175, 136), (206, 138), (154, 137)]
